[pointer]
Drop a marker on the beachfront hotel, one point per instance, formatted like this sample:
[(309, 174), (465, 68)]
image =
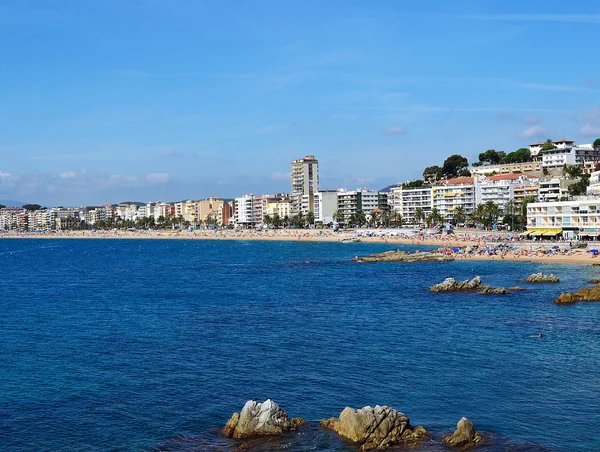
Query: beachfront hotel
[(576, 219), (407, 200), (449, 194), (305, 183)]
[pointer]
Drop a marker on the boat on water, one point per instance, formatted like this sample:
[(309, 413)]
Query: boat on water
[(351, 240)]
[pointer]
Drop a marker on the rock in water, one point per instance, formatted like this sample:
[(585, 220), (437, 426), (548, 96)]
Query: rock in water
[(494, 291), (260, 419), (375, 428), (542, 278), (585, 294), (451, 285), (464, 435)]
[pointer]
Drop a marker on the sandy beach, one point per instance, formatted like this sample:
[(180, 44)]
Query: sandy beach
[(483, 242)]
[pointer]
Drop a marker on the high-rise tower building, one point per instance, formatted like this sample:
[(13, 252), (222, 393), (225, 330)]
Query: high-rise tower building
[(305, 184)]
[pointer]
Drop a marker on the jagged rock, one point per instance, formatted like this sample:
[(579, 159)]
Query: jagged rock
[(494, 291), (375, 428), (594, 281), (464, 435), (451, 285), (260, 419), (585, 294), (403, 256), (542, 278), (516, 288)]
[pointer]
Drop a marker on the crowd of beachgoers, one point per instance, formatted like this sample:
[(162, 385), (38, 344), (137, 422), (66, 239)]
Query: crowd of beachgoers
[(462, 244)]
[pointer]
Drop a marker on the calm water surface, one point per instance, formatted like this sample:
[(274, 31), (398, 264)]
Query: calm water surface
[(152, 344)]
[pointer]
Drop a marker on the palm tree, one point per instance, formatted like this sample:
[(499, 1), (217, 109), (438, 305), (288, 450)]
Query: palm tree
[(419, 215), (492, 212), (338, 216), (374, 218), (459, 214), (276, 220), (286, 220), (360, 218), (267, 220), (435, 216), (299, 220), (479, 213), (310, 218)]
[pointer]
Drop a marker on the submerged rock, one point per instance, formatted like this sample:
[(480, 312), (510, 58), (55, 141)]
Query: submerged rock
[(260, 419), (542, 278), (516, 288), (585, 294), (594, 281), (464, 435), (494, 291), (403, 256), (375, 428)]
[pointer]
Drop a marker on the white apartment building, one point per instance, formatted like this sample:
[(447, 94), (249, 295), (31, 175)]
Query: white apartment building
[(413, 199), (450, 194), (395, 199), (594, 187), (326, 202), (567, 153), (554, 188), (349, 202), (574, 219), (501, 188), (248, 210), (305, 183)]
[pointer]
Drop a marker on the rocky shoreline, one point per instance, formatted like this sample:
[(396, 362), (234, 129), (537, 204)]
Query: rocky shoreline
[(369, 428), (403, 256)]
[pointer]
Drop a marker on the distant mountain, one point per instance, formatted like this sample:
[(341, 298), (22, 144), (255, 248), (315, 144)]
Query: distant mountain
[(137, 203), (388, 188), (12, 202)]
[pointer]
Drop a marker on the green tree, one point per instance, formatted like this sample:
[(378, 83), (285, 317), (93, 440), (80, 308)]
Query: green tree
[(267, 220), (453, 165), (286, 221), (310, 217), (432, 173), (459, 214), (338, 216), (597, 143), (521, 155), (548, 145), (574, 171), (492, 212), (360, 219), (31, 207), (299, 220), (491, 157), (276, 221), (419, 215), (414, 184), (435, 216), (374, 218), (579, 188), (2, 206)]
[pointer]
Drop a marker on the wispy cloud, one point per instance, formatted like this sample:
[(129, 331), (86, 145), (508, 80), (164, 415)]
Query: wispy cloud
[(531, 120), (395, 130), (536, 17), (534, 131), (551, 87), (279, 176), (590, 130), (158, 178)]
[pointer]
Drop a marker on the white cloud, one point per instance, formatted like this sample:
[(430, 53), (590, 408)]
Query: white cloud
[(590, 130), (395, 130), (534, 131), (158, 178), (68, 175), (531, 120), (277, 175), (4, 175)]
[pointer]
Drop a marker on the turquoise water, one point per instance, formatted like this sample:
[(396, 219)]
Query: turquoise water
[(152, 344)]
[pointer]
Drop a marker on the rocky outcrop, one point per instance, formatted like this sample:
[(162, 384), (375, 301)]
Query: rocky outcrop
[(494, 291), (594, 281), (585, 294), (516, 288), (403, 256), (375, 428), (451, 285), (260, 419), (464, 435), (542, 278)]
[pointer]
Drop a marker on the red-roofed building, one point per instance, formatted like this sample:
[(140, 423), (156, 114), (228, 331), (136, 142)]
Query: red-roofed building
[(500, 189), (448, 195)]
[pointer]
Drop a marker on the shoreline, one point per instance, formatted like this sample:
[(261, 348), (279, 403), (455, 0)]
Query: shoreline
[(518, 252)]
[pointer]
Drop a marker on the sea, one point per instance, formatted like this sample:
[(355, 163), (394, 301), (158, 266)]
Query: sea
[(151, 345)]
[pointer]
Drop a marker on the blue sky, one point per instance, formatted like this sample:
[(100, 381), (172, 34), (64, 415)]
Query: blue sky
[(105, 101)]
